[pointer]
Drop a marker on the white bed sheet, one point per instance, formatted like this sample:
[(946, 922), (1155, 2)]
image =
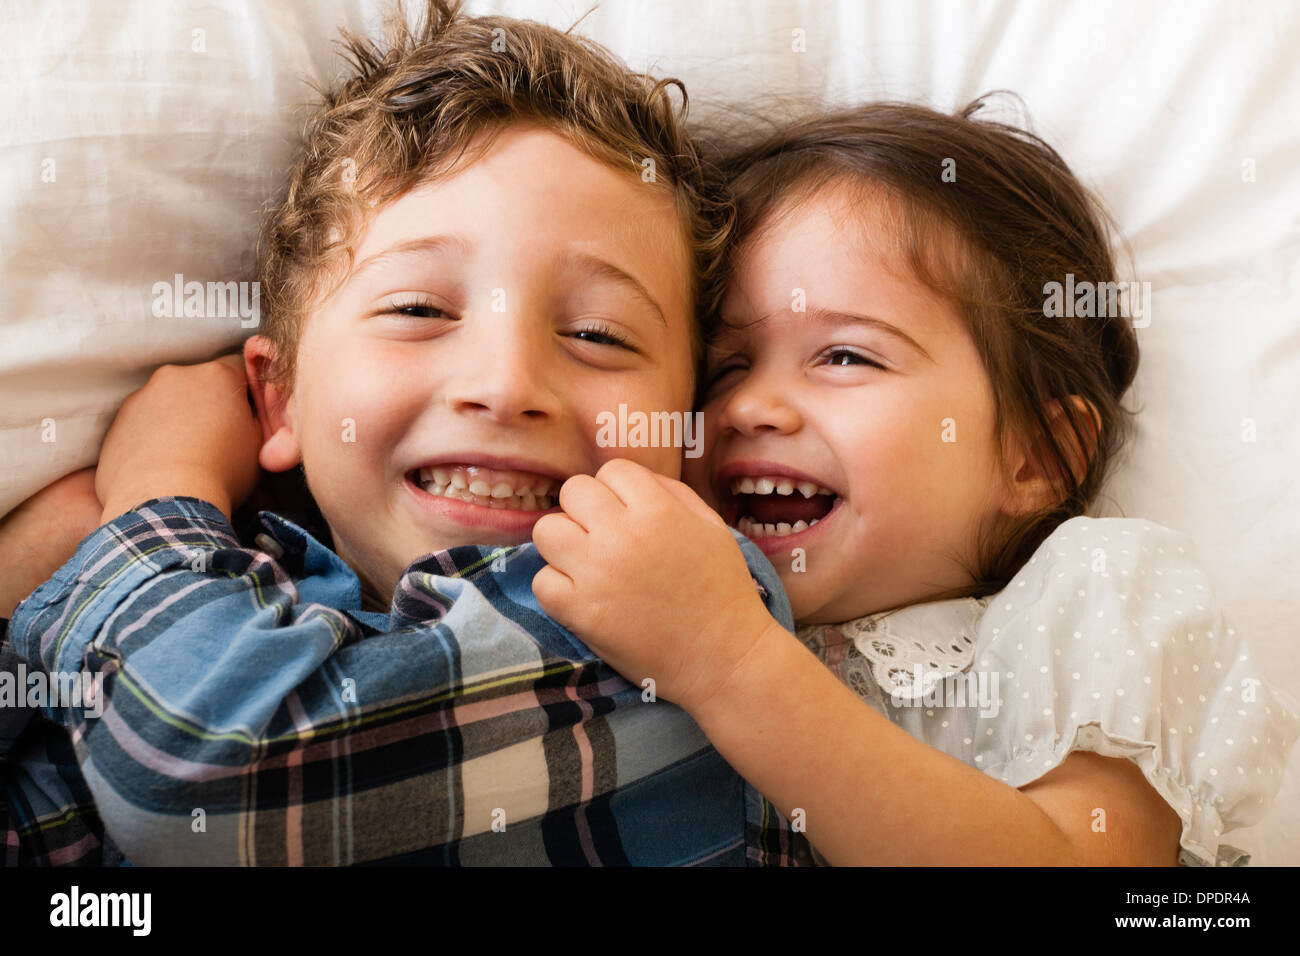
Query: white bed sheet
[(166, 125)]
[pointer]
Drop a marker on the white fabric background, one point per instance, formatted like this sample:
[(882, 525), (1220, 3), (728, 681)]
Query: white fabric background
[(163, 157)]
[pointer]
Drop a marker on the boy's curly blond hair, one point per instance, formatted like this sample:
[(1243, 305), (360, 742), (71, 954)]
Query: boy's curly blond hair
[(408, 113)]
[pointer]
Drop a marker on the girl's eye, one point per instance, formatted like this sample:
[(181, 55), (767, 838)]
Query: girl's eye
[(848, 357), (603, 335), (721, 371)]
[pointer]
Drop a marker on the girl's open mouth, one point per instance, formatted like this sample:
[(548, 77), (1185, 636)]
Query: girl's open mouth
[(776, 511)]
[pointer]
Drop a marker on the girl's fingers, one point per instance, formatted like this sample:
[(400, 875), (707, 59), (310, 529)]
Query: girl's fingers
[(554, 592), (589, 502), (689, 498), (633, 482), (629, 481), (560, 541)]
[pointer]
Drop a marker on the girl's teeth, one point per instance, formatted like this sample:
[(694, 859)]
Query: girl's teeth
[(503, 490), (749, 485), (754, 529), (480, 487)]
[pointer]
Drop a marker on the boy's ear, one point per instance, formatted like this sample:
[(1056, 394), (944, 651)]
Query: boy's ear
[(1037, 480), (280, 448)]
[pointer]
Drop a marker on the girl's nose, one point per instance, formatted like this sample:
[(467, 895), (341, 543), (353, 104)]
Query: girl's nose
[(759, 405)]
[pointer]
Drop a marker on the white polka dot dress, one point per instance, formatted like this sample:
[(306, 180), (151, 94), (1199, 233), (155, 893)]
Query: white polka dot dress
[(1108, 640)]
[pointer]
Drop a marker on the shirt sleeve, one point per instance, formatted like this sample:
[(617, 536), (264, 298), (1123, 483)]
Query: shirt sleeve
[(215, 675), (243, 718), (1111, 641), (14, 714)]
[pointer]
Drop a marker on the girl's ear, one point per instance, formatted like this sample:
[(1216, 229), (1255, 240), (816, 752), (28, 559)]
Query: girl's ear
[(280, 448), (1037, 479)]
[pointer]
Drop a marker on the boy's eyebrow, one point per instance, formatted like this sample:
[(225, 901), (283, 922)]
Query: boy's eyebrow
[(594, 265), (585, 261), (845, 318), (424, 245)]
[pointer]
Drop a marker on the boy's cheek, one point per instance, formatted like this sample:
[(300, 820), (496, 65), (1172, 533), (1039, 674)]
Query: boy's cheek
[(663, 461), (695, 473)]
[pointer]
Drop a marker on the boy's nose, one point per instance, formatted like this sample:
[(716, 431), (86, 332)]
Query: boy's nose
[(511, 382)]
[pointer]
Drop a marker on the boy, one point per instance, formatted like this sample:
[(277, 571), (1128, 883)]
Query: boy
[(494, 234)]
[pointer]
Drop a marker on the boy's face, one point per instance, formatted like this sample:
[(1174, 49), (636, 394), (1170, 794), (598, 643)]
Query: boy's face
[(489, 318), (902, 434)]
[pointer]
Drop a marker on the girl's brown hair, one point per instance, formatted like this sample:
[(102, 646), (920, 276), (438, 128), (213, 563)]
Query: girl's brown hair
[(985, 214), (412, 110)]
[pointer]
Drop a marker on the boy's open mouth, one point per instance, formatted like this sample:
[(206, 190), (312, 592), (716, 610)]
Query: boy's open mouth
[(504, 490), (776, 505)]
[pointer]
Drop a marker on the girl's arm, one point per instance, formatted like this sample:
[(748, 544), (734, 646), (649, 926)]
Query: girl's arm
[(651, 578), (871, 793)]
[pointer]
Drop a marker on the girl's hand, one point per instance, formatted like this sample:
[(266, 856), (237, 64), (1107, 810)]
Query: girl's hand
[(651, 579), (41, 534), (189, 431)]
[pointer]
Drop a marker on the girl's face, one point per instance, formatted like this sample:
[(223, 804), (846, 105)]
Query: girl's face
[(844, 392)]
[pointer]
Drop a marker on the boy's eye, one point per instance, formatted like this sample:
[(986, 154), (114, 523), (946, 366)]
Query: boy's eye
[(601, 334), (417, 310), (842, 356)]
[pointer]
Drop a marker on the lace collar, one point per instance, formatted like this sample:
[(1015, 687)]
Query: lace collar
[(912, 647)]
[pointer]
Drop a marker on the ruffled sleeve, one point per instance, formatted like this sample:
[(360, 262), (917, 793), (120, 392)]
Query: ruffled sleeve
[(1110, 640)]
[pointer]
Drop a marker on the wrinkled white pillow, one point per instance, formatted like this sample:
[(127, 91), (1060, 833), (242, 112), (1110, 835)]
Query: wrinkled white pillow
[(141, 141)]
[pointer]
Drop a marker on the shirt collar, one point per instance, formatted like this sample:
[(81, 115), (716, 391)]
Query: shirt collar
[(911, 646)]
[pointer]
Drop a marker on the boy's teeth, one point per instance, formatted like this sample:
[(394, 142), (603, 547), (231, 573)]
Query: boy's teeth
[(749, 485), (514, 490)]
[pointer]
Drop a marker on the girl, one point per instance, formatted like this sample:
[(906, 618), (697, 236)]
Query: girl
[(902, 417)]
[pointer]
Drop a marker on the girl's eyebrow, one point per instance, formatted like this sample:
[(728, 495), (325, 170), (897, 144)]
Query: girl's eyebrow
[(835, 317), (423, 246)]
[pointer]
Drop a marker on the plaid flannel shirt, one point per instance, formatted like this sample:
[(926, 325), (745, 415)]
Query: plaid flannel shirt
[(254, 714)]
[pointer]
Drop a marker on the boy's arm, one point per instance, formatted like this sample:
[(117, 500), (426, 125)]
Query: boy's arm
[(43, 532)]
